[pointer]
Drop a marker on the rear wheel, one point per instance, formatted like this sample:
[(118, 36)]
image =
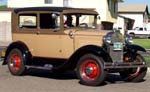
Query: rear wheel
[(16, 62), (90, 70), (135, 74)]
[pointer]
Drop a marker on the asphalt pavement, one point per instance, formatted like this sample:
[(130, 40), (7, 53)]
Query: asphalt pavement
[(44, 81)]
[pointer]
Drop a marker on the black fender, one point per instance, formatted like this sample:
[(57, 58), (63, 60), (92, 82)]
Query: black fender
[(97, 50), (22, 47), (135, 48), (73, 60)]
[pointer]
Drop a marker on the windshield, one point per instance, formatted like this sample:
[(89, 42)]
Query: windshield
[(79, 20)]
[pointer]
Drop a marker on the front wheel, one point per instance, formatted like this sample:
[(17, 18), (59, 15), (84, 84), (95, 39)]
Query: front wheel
[(90, 70), (135, 74), (16, 62)]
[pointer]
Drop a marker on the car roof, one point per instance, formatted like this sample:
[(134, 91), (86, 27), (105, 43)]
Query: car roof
[(56, 9)]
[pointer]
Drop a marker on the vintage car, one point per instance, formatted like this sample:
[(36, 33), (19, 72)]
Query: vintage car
[(61, 39)]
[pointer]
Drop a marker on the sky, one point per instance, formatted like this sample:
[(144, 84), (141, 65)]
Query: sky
[(3, 2)]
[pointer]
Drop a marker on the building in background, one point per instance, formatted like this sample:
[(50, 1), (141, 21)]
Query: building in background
[(139, 13), (34, 3), (123, 24), (107, 9), (5, 26)]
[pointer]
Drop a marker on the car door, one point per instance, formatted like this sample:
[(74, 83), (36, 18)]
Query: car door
[(25, 30), (48, 37)]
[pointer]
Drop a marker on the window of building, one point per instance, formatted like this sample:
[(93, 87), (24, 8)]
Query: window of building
[(113, 6), (109, 4), (48, 1), (65, 3)]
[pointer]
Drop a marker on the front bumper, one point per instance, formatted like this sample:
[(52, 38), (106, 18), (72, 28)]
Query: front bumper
[(116, 65)]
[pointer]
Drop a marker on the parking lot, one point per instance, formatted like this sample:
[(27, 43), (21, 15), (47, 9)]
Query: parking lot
[(45, 81)]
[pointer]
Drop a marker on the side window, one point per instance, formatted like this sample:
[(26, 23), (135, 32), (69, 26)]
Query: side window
[(49, 21), (140, 29), (69, 21), (28, 21), (88, 20)]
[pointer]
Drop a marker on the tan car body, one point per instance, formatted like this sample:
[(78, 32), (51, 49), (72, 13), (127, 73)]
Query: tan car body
[(60, 44)]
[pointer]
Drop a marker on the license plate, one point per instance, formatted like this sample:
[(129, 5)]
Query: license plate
[(118, 46)]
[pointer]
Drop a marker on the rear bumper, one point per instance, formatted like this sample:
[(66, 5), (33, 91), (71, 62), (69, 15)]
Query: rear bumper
[(116, 65), (2, 51)]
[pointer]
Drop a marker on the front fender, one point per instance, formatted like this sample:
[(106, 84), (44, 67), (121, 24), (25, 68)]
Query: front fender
[(134, 47), (97, 50), (74, 58)]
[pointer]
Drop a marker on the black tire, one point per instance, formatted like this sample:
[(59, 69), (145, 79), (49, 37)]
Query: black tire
[(16, 62), (96, 75), (135, 74)]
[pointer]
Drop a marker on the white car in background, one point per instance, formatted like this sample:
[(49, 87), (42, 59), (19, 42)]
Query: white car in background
[(141, 32)]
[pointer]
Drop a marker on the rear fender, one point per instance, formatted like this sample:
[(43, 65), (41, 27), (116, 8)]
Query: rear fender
[(21, 46)]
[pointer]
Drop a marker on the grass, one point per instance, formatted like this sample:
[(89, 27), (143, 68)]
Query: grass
[(3, 6), (142, 42), (147, 59)]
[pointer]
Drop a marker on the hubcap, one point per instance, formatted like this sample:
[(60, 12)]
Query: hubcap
[(90, 70), (15, 62)]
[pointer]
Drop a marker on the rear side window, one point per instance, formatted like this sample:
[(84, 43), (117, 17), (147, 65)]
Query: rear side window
[(28, 21)]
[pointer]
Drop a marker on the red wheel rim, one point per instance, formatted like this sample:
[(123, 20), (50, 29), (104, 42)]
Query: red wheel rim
[(15, 62), (137, 71), (89, 70)]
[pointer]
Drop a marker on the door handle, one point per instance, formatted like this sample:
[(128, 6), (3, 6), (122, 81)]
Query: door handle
[(71, 34), (38, 32)]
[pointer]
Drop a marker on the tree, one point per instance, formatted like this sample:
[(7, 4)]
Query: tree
[(3, 6)]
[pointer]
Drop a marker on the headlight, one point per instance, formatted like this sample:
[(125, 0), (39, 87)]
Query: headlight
[(107, 39), (129, 39)]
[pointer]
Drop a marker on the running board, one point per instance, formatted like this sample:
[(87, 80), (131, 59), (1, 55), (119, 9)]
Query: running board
[(124, 65), (45, 67)]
